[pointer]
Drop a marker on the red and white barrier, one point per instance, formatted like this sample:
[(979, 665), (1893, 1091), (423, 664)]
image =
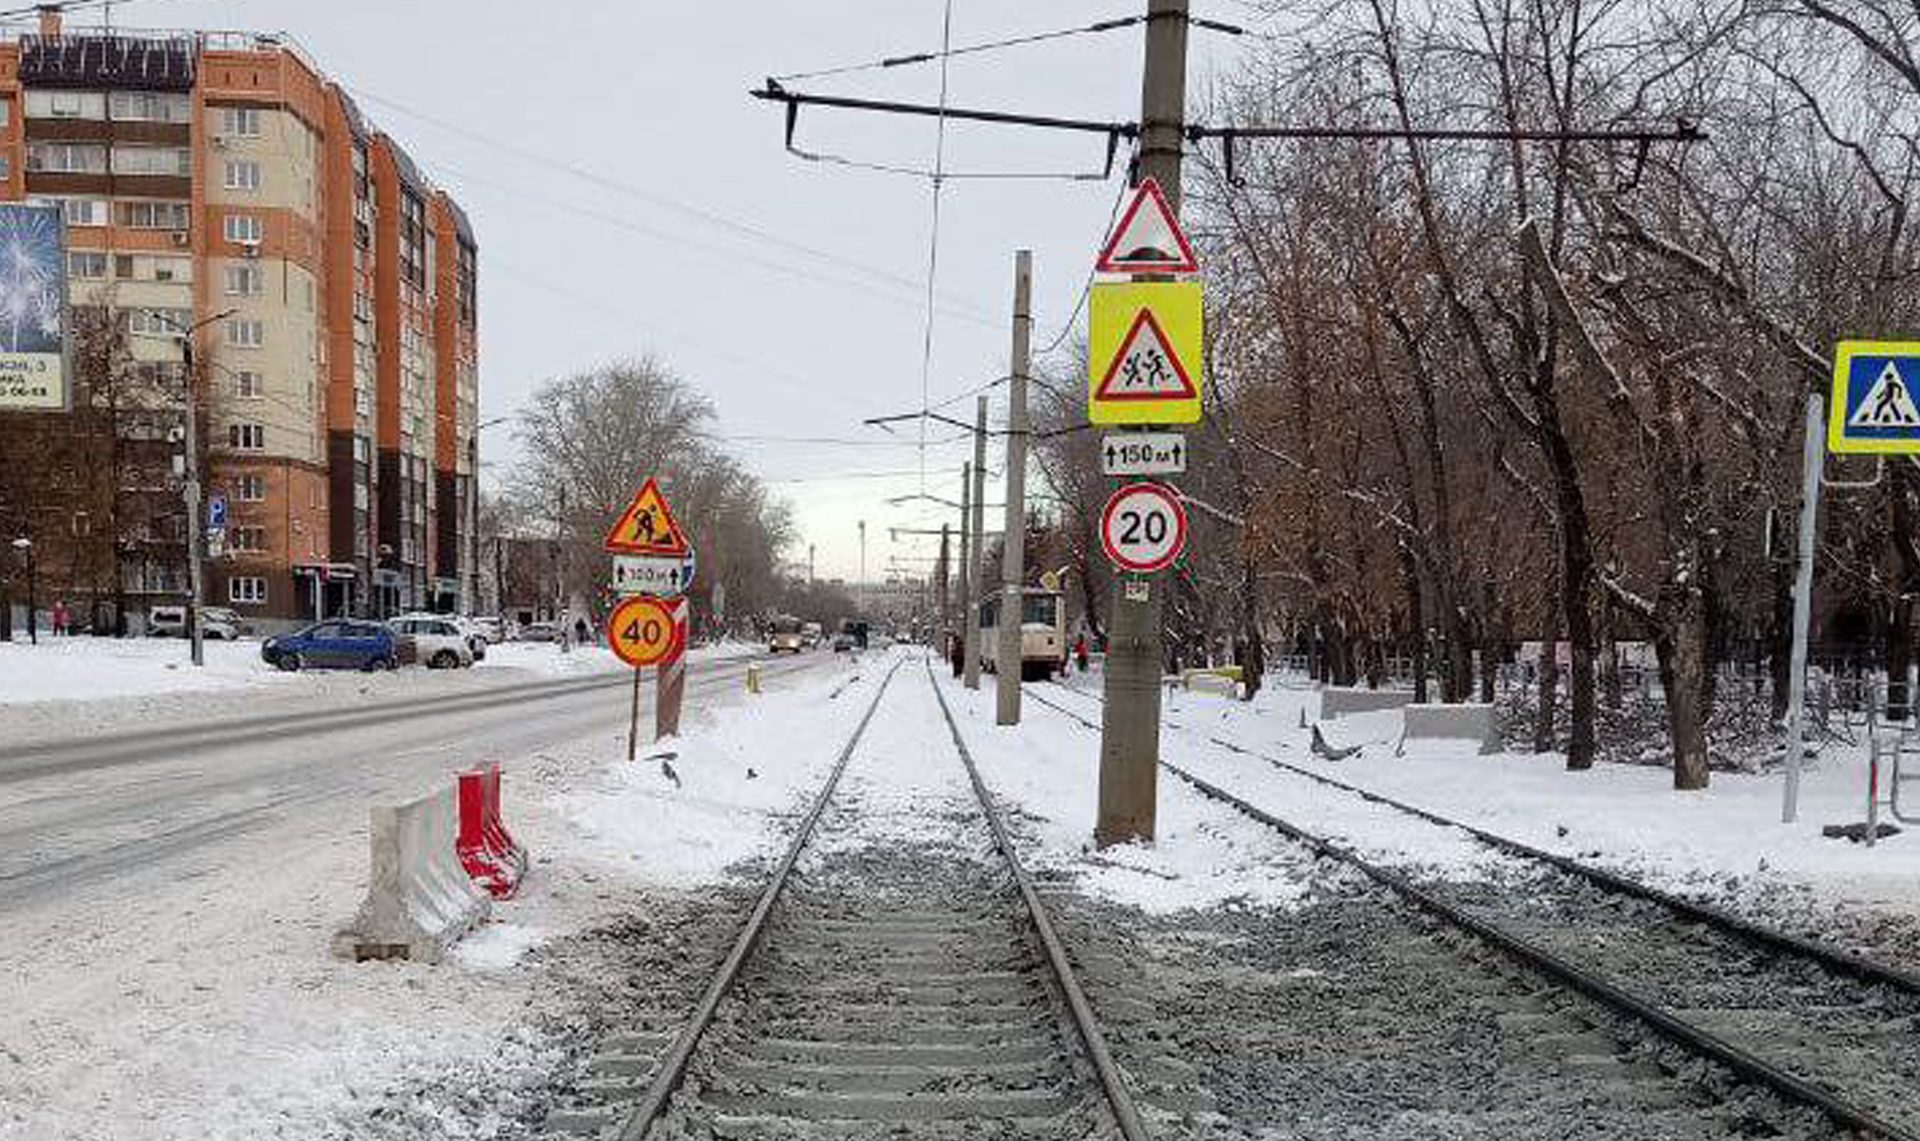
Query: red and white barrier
[(492, 857)]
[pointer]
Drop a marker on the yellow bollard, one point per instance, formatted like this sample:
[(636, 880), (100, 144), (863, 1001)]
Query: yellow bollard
[(753, 677)]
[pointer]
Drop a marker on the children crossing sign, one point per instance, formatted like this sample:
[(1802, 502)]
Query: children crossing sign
[(1144, 363), (1876, 397)]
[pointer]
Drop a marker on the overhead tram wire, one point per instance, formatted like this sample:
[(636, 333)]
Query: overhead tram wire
[(933, 237), (948, 52)]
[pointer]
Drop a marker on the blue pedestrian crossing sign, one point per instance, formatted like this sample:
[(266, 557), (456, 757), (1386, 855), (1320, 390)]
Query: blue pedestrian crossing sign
[(1876, 397)]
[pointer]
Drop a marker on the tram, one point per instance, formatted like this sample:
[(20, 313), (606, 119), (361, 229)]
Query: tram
[(1043, 633)]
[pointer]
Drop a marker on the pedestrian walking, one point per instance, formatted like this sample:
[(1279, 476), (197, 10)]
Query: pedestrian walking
[(61, 617), (1080, 652)]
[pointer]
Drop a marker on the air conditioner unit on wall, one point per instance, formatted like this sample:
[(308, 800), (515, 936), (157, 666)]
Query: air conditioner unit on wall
[(181, 238), (219, 142), (250, 249)]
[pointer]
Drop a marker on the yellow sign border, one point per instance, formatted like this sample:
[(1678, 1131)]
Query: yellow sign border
[(1178, 307), (1838, 442)]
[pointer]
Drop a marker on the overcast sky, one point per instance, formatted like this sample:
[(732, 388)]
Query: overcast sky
[(629, 197)]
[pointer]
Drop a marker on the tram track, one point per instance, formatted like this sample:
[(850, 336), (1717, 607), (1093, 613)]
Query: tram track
[(876, 989), (1816, 1026)]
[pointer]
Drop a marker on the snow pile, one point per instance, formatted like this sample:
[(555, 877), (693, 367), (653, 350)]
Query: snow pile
[(91, 668)]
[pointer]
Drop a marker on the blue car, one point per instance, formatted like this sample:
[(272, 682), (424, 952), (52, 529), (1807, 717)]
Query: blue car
[(341, 644)]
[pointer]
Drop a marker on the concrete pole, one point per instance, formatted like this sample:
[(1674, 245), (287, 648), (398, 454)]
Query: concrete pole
[(941, 596), (196, 519), (977, 572), (1130, 725), (1815, 462), (964, 584), (1013, 568)]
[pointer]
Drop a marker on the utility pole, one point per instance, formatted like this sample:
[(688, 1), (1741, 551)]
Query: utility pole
[(977, 524), (863, 571), (1013, 558), (965, 584), (1130, 723), (940, 592)]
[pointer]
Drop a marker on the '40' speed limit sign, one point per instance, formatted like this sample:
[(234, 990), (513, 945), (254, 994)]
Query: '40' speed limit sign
[(643, 632), (1144, 527)]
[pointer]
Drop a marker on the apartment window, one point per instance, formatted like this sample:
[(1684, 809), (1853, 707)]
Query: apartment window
[(247, 385), (243, 280), (158, 322), (87, 264), (251, 488), (6, 112), (243, 174), (243, 122), (150, 106), (67, 158), (244, 228), (48, 104), (172, 161), (247, 437), (166, 269), (247, 589), (245, 332), (152, 214), (79, 211), (249, 538)]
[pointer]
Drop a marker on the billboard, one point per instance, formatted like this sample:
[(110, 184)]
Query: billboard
[(33, 309)]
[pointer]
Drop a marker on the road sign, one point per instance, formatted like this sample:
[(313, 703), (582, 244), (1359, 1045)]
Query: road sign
[(1143, 453), (217, 509), (1148, 238), (652, 574), (643, 632), (1144, 528), (1144, 359), (647, 527), (1874, 406)]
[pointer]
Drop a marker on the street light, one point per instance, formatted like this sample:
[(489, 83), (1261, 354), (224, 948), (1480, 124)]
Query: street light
[(196, 526), (25, 546)]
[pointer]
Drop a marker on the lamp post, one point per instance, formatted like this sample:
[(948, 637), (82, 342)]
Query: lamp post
[(25, 546), (196, 526)]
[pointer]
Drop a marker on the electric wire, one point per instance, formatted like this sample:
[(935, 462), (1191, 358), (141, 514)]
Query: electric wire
[(947, 52), (933, 238)]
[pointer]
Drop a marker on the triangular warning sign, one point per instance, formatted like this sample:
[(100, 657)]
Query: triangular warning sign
[(1888, 404), (1148, 238), (1146, 367), (648, 527)]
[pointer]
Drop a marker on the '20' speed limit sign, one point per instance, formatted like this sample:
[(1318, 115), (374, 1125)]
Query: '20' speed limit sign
[(1144, 527), (643, 632)]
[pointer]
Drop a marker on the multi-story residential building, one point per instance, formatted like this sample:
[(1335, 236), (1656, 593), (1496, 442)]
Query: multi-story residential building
[(219, 182)]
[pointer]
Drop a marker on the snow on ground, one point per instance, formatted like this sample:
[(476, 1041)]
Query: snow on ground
[(1047, 769), (1625, 816), (198, 1000)]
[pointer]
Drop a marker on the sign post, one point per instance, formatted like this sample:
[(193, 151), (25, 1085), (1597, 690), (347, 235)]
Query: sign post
[(653, 566), (644, 631)]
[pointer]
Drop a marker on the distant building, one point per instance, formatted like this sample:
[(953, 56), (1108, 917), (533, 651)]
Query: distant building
[(208, 173)]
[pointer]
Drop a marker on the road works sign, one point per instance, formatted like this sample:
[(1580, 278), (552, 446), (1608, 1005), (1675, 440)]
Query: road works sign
[(647, 527), (643, 631), (1144, 528), (1876, 397), (652, 574), (1143, 453), (1144, 358), (1149, 238)]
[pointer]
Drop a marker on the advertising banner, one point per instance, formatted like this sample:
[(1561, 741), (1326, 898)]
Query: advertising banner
[(33, 309)]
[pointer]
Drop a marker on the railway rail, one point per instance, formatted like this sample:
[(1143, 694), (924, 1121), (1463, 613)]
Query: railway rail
[(876, 990), (1815, 1025)]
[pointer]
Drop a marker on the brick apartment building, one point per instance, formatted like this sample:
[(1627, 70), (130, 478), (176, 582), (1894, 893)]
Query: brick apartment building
[(203, 174)]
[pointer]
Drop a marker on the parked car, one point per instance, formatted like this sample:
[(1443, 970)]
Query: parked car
[(540, 632), (340, 644), (476, 641), (216, 623), (842, 642), (441, 644), (493, 629)]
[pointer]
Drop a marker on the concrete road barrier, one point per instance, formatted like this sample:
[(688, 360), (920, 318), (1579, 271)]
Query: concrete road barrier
[(419, 899), (1338, 701), (1473, 722)]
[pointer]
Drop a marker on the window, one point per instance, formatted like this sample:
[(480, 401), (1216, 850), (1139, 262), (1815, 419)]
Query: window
[(158, 322), (165, 269), (247, 385), (247, 437), (67, 158), (242, 122), (252, 488), (243, 280), (243, 228), (80, 211), (247, 589), (6, 112), (245, 332), (88, 264), (249, 538), (150, 106), (243, 174), (47, 104), (151, 214), (172, 161)]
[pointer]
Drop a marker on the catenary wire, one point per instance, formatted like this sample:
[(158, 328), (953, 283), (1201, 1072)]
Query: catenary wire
[(948, 52)]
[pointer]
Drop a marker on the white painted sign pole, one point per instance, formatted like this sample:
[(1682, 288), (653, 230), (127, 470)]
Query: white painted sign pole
[(1815, 464)]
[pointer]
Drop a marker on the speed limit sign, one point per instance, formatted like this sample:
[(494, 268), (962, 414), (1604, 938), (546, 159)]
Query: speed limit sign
[(1144, 527), (643, 632)]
